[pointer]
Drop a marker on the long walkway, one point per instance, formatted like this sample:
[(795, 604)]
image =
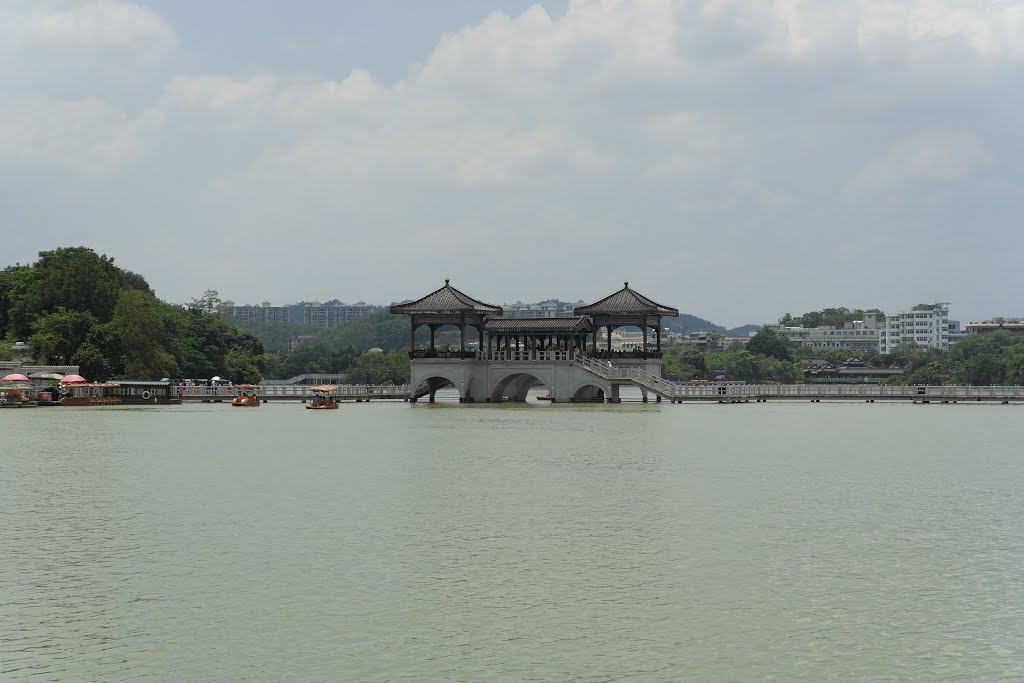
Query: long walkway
[(744, 393)]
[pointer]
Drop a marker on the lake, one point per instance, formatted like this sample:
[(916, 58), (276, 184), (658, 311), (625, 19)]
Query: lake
[(531, 542)]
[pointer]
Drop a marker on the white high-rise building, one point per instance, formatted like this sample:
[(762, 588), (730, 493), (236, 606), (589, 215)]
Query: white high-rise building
[(926, 325)]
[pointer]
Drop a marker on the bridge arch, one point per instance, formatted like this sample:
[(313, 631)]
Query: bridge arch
[(429, 383), (515, 384), (587, 392)]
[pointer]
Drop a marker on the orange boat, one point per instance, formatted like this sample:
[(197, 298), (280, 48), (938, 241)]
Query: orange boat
[(248, 396), (323, 399)]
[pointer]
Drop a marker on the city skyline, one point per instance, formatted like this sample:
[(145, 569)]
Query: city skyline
[(723, 156)]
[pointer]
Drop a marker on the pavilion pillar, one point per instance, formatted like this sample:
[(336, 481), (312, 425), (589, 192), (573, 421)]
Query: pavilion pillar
[(644, 326), (657, 332), (433, 328), (480, 343), (462, 337), (412, 336), (609, 328)]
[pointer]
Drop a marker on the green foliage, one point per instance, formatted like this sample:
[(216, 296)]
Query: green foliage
[(389, 367), (829, 317), (59, 334), (74, 306), (208, 303), (382, 330), (767, 343), (275, 336), (683, 363)]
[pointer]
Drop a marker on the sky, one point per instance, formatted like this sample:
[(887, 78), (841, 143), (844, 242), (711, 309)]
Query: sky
[(736, 159)]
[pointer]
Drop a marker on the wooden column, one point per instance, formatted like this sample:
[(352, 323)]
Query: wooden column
[(433, 328), (412, 335)]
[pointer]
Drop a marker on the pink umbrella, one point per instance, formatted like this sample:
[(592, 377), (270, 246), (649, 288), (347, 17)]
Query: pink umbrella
[(14, 377), (71, 379)]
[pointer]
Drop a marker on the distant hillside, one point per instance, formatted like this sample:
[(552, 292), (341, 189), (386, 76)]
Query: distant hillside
[(695, 324), (742, 330)]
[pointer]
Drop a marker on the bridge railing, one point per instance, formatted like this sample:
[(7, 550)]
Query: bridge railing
[(675, 390), (524, 355), (223, 392)]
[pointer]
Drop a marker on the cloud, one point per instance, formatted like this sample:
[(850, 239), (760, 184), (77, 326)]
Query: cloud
[(87, 136), (741, 129), (101, 38)]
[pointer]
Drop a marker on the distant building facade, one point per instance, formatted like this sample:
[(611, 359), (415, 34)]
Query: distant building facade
[(297, 341), (926, 325), (264, 313), (859, 335), (552, 308), (1011, 325), (705, 341), (316, 314)]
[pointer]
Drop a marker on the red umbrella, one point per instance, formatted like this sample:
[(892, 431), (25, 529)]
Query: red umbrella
[(14, 377), (71, 379)]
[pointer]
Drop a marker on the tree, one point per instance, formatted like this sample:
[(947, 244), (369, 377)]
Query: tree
[(767, 343), (208, 303), (58, 335), (389, 367)]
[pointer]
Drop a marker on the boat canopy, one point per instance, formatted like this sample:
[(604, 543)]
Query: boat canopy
[(323, 387)]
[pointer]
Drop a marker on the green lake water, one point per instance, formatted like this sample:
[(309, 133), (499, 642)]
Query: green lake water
[(446, 542)]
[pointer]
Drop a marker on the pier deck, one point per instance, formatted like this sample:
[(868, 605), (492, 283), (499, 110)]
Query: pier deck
[(293, 392)]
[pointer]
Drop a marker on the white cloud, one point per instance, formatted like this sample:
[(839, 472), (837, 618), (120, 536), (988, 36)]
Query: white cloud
[(100, 38), (715, 126), (929, 157), (88, 136)]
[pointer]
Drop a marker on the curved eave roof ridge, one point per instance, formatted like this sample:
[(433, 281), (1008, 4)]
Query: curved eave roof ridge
[(447, 299), (626, 301)]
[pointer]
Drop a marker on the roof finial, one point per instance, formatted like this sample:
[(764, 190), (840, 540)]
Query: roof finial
[(626, 283), (446, 282)]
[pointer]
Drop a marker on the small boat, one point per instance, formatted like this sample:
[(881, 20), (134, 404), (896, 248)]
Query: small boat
[(248, 396), (545, 397), (323, 399), (17, 397)]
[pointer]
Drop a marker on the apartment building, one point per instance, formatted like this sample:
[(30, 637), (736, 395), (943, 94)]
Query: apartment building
[(552, 308), (318, 315), (264, 313), (926, 325)]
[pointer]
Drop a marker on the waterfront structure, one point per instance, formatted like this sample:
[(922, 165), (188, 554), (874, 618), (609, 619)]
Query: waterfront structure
[(316, 314), (855, 371), (926, 325), (1012, 325), (514, 354), (264, 313)]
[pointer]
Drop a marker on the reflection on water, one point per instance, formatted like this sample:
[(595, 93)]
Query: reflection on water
[(790, 542)]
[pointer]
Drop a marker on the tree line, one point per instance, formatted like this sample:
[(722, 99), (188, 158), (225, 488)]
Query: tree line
[(76, 307), (995, 358)]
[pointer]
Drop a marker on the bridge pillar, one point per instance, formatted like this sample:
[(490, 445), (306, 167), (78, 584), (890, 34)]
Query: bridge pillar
[(613, 395)]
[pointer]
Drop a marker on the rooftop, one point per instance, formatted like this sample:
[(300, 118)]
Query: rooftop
[(577, 323), (625, 301), (447, 299)]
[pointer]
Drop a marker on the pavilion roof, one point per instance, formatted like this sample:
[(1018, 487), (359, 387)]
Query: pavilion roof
[(626, 301), (447, 299), (577, 323)]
